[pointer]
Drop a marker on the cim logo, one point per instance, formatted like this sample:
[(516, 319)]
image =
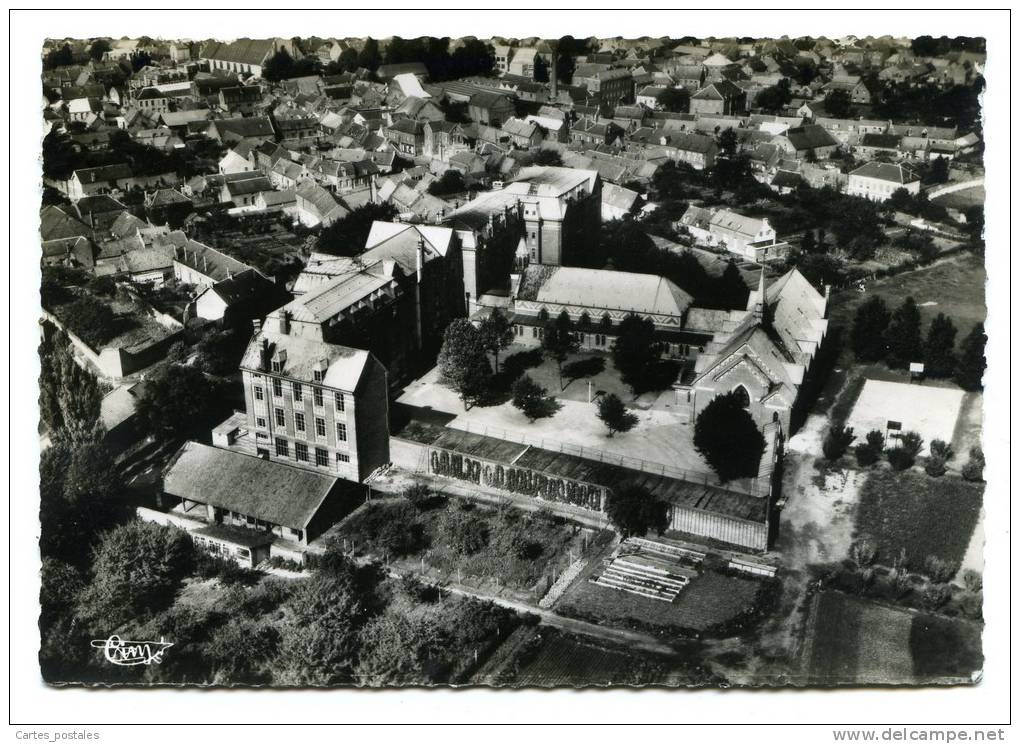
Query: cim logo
[(132, 653)]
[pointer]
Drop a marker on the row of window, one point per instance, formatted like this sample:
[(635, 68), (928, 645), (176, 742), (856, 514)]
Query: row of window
[(302, 455), (299, 424), (298, 394)]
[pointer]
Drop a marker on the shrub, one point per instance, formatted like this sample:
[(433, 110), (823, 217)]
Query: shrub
[(728, 438), (911, 441), (938, 570), (972, 580), (865, 454), (974, 469), (465, 533), (935, 466), (899, 458), (938, 448), (208, 566), (936, 595), (837, 441), (420, 496)]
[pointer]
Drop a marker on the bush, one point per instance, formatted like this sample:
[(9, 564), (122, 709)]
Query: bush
[(974, 469), (208, 566), (972, 580), (938, 448), (936, 595), (866, 454), (837, 441), (465, 533), (420, 496), (940, 571), (935, 466), (900, 458), (911, 441)]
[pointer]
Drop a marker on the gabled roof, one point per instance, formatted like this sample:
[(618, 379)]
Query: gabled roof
[(603, 289), (718, 91), (242, 51), (55, 223), (343, 365), (893, 172), (809, 137), (268, 490)]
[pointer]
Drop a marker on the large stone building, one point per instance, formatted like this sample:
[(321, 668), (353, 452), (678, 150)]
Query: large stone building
[(878, 181), (750, 238)]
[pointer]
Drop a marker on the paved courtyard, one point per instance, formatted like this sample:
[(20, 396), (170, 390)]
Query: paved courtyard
[(662, 436), (930, 411)]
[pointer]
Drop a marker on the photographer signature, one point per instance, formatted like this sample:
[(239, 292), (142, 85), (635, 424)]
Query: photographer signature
[(131, 653)]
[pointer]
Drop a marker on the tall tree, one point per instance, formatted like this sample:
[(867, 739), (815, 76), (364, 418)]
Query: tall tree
[(369, 56), (347, 236), (636, 352), (496, 334), (838, 105), (903, 336), (532, 399), (635, 511), (970, 370), (775, 98), (559, 341), (176, 400), (940, 347), (868, 337), (463, 363), (614, 414), (727, 437)]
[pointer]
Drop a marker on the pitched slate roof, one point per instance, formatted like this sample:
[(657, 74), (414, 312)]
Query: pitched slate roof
[(895, 173), (271, 491), (603, 289), (810, 137), (55, 223), (344, 366), (242, 51)]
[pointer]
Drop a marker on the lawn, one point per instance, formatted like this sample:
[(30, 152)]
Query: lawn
[(930, 411), (854, 641), (955, 286), (945, 649), (917, 513), (552, 658), (711, 598)]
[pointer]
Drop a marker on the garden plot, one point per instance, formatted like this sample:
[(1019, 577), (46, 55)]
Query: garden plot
[(930, 411)]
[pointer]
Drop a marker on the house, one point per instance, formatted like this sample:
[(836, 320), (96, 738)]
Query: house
[(388, 72), (720, 98), (611, 86), (852, 85), (238, 159), (87, 181), (240, 99), (249, 499), (618, 202), (297, 130), (422, 109), (196, 263), (152, 101), (99, 211), (697, 150), (238, 299), (873, 145), (878, 181), (242, 192), (750, 238), (490, 109), (406, 136), (442, 139), (523, 134), (251, 129), (314, 205), (167, 207), (808, 141)]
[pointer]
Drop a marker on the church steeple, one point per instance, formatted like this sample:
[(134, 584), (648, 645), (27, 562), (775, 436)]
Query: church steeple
[(761, 304)]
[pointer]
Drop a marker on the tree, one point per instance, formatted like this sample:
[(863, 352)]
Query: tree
[(532, 400), (900, 200), (837, 104), (868, 451), (837, 441), (136, 572), (676, 100), (402, 649), (807, 243), (496, 334), (463, 363), (776, 97), (451, 182), (970, 369), (727, 141), (559, 341), (635, 511), (940, 347), (90, 320), (369, 56), (939, 170), (903, 335), (61, 57), (868, 336), (328, 612), (614, 414), (176, 400), (69, 395), (974, 469), (636, 352), (548, 157), (347, 236), (727, 437), (98, 48)]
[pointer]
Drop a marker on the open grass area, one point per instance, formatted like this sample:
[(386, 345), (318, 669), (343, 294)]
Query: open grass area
[(930, 411), (552, 658), (710, 599), (914, 512), (854, 641), (954, 286), (945, 649)]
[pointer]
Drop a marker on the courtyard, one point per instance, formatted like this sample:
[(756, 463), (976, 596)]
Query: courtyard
[(930, 411), (662, 438)]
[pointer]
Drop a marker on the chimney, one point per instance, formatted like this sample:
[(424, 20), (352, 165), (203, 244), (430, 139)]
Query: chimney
[(264, 356), (257, 326), (284, 322), (760, 302), (419, 258)]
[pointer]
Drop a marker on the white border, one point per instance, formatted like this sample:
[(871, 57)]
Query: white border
[(32, 702)]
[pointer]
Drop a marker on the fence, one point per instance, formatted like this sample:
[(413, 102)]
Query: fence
[(753, 486)]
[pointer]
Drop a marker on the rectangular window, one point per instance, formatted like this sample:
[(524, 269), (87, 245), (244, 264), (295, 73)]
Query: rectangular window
[(277, 388), (280, 419), (320, 427), (260, 422), (298, 394), (258, 392), (341, 432), (317, 397), (342, 457), (341, 402), (275, 366), (282, 447), (299, 421), (317, 375), (321, 457), (301, 451)]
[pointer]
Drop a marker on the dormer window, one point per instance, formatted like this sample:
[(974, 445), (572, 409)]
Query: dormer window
[(317, 375)]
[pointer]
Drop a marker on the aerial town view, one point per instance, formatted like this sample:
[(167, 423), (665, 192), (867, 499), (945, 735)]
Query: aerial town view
[(512, 362)]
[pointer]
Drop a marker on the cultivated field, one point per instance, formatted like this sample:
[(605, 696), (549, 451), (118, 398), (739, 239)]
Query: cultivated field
[(854, 641), (930, 411), (922, 515)]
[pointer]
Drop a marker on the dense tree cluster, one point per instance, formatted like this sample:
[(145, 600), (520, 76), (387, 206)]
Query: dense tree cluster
[(347, 236), (471, 57), (727, 437)]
